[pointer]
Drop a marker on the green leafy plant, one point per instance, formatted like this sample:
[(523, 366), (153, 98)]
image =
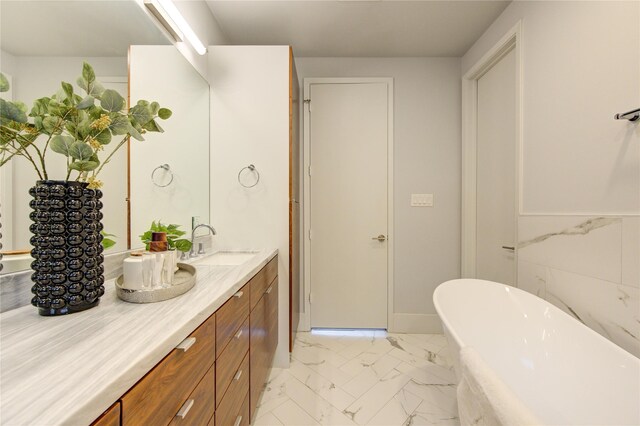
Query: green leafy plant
[(107, 241), (78, 127), (173, 236)]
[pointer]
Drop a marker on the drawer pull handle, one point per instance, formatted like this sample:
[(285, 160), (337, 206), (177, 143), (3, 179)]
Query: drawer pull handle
[(185, 409), (268, 290), (238, 334), (238, 294), (238, 375), (186, 344), (238, 421)]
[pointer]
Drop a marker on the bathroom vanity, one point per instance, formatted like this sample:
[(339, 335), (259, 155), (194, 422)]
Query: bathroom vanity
[(201, 358)]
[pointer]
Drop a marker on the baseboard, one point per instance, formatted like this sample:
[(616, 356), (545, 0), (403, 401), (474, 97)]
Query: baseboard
[(416, 323)]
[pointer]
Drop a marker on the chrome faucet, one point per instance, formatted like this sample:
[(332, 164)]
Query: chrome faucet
[(201, 251)]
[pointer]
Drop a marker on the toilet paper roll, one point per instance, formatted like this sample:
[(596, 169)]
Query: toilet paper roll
[(132, 273)]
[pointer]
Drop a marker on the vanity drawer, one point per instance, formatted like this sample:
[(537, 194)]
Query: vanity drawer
[(239, 382), (233, 411), (199, 407), (229, 362), (260, 282), (158, 396), (230, 316)]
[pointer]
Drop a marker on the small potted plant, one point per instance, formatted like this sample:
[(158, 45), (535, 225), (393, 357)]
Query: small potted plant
[(67, 230), (174, 236)]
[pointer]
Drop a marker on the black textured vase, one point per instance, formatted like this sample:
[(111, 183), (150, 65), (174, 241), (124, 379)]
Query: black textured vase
[(68, 273)]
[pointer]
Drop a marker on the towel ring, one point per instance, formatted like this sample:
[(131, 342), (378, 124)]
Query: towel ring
[(166, 168), (251, 168)]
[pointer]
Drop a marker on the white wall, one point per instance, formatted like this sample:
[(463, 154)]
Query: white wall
[(250, 125), (8, 62), (35, 77), (426, 160), (581, 66), (162, 74), (581, 168)]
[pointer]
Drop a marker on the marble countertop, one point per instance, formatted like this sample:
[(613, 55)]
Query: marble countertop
[(69, 369)]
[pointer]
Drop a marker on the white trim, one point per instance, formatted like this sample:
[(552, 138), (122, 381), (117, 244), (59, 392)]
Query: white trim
[(417, 323), (305, 319), (511, 40)]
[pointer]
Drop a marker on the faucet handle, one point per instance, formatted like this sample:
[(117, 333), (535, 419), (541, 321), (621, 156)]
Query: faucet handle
[(201, 248)]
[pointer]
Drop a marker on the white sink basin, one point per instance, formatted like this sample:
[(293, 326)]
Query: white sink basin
[(226, 258)]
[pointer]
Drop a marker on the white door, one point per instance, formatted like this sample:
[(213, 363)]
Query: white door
[(496, 169), (348, 202)]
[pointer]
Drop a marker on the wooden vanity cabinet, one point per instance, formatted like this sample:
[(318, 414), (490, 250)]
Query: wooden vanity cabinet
[(217, 374), (111, 417), (263, 341)]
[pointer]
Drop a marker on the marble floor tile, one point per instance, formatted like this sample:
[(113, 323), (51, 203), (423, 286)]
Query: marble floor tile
[(368, 374), (441, 396), (290, 414), (397, 410), (317, 354), (428, 414), (368, 405), (364, 377), (429, 374), (321, 386), (275, 393), (422, 350), (267, 420), (318, 408), (381, 366), (423, 341)]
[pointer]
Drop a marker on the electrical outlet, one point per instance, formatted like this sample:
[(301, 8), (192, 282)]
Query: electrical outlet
[(421, 200)]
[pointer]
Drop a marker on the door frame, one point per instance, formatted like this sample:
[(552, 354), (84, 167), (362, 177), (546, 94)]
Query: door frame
[(305, 318), (512, 40)]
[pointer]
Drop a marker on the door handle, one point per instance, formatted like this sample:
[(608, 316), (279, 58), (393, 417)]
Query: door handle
[(186, 344), (185, 409), (380, 238), (509, 248)]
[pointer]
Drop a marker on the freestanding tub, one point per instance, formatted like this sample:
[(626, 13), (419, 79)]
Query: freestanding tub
[(564, 372)]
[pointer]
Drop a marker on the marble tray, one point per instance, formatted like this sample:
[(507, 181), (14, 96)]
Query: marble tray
[(183, 281)]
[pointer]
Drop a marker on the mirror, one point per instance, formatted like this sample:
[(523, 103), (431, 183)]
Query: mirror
[(169, 171), (37, 53)]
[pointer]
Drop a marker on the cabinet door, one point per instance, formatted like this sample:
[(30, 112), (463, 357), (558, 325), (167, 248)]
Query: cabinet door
[(271, 319), (263, 341), (230, 317), (257, 351), (111, 417), (200, 406)]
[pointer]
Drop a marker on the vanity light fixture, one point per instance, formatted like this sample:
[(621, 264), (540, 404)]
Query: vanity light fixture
[(170, 17)]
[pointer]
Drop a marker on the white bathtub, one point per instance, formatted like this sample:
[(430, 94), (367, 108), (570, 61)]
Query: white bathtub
[(564, 372)]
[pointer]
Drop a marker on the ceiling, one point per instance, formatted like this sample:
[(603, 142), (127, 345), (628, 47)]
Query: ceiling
[(357, 28), (75, 28)]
